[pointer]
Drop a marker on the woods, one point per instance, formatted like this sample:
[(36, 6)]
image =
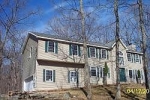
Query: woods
[(82, 20)]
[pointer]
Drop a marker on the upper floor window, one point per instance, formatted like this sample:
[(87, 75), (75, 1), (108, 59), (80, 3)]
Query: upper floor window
[(92, 52), (31, 51), (74, 49), (120, 53), (103, 53), (51, 46), (134, 57), (129, 56), (137, 58), (121, 61)]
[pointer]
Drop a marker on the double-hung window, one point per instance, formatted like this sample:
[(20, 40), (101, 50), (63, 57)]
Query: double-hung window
[(75, 49), (92, 52), (137, 58), (48, 75), (129, 56), (93, 71), (103, 53), (51, 46), (121, 61), (73, 76), (130, 73)]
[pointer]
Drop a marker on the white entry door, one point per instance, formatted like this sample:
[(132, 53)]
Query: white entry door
[(28, 84)]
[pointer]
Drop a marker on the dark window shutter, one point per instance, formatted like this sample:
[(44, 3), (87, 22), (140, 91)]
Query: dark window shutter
[(77, 76), (70, 49), (43, 75), (56, 47), (88, 50), (97, 72), (46, 46), (96, 53), (79, 52), (53, 75), (68, 76)]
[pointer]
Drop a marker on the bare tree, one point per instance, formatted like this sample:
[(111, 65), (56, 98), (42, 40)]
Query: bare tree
[(144, 39), (118, 93), (86, 66), (12, 18)]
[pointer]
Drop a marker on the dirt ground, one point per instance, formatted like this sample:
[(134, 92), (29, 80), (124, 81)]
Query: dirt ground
[(99, 92), (107, 92)]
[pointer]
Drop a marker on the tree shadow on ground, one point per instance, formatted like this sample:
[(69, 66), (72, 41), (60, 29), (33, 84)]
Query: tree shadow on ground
[(110, 93), (84, 91)]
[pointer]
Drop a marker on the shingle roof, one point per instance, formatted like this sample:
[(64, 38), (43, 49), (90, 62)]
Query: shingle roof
[(70, 39)]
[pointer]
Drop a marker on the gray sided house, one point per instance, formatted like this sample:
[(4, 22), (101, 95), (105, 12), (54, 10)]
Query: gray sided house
[(52, 62)]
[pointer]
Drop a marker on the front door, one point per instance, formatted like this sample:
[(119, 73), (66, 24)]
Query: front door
[(122, 75)]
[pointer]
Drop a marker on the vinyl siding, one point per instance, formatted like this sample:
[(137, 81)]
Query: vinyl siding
[(28, 63), (61, 78)]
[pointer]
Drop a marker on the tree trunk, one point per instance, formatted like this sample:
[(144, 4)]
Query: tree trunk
[(144, 39), (118, 93), (86, 67)]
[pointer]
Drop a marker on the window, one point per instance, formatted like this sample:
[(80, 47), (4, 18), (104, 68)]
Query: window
[(92, 52), (93, 71), (121, 61), (129, 56), (100, 53), (49, 75), (103, 53), (51, 46), (73, 76), (101, 72), (130, 73), (31, 51), (120, 53), (75, 49), (137, 58)]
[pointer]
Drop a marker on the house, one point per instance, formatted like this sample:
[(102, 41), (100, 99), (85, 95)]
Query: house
[(52, 62)]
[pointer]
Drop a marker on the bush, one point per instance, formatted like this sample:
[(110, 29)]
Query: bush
[(139, 74)]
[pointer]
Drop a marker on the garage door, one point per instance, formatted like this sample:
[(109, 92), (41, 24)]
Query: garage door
[(28, 84)]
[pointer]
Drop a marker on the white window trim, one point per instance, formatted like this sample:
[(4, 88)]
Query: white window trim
[(137, 58), (70, 77), (96, 71), (130, 57), (102, 54), (77, 49), (52, 76), (90, 51), (54, 46)]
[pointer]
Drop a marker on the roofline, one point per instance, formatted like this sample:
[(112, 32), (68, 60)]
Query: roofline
[(121, 42), (134, 52), (61, 40), (24, 44)]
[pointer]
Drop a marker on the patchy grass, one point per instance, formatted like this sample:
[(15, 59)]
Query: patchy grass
[(105, 92)]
